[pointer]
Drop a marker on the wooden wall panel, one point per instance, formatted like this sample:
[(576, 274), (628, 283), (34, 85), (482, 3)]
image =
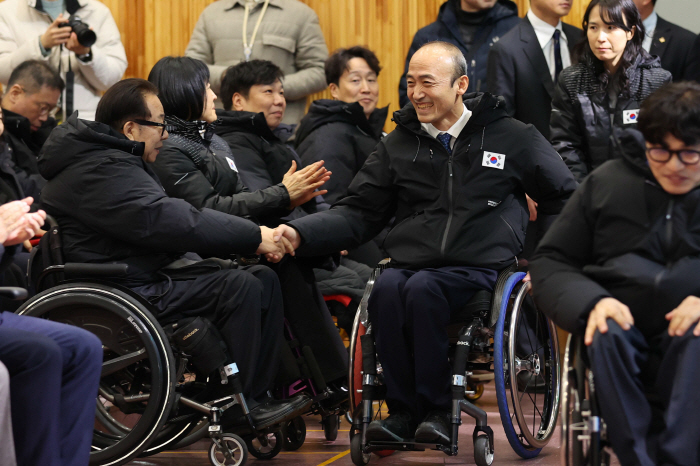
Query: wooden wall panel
[(152, 29)]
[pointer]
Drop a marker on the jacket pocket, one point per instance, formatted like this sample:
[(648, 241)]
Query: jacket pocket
[(284, 43)]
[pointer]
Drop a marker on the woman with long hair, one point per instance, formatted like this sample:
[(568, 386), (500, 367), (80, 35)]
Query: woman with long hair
[(603, 90)]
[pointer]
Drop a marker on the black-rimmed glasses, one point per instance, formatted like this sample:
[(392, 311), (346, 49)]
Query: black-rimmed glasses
[(152, 123), (686, 156)]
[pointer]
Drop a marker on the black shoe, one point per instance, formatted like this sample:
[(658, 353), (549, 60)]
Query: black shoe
[(269, 413), (436, 428), (395, 428), (531, 383)]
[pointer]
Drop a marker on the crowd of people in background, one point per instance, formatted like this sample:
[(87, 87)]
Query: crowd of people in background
[(215, 157)]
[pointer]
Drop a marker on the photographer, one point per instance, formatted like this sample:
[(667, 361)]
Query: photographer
[(48, 30)]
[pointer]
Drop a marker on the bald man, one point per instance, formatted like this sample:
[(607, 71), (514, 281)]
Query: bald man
[(454, 173)]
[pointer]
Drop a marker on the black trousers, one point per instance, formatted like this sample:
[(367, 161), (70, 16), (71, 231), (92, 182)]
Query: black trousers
[(245, 304), (409, 311), (311, 322), (628, 368)]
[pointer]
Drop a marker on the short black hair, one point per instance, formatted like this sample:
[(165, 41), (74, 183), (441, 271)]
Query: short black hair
[(32, 75), (672, 109), (459, 63), (337, 63), (182, 82), (125, 101), (240, 78)]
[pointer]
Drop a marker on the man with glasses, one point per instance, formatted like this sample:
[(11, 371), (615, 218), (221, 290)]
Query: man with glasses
[(112, 208), (620, 266), (32, 94)]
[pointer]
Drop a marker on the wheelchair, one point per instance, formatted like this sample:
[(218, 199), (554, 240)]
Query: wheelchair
[(501, 332), (151, 395), (583, 431)]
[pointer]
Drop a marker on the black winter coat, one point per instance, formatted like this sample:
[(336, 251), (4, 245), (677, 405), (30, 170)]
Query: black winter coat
[(262, 157), (204, 174), (24, 146), (499, 20), (342, 136), (620, 235), (111, 207), (466, 209), (580, 120)]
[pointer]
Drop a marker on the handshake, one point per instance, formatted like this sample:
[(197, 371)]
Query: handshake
[(278, 242)]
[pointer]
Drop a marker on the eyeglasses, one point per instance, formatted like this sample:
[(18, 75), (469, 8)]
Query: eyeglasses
[(152, 123), (44, 108), (686, 156)]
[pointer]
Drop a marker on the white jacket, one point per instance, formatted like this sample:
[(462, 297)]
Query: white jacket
[(21, 25)]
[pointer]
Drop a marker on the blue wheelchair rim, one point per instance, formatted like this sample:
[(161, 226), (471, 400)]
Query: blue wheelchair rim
[(501, 394)]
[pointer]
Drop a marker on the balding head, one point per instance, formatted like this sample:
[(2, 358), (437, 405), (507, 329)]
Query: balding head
[(436, 81)]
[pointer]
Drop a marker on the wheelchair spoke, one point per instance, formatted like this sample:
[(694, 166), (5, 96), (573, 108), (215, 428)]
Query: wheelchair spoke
[(121, 362)]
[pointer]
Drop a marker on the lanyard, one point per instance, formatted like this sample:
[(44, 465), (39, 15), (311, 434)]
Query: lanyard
[(248, 49)]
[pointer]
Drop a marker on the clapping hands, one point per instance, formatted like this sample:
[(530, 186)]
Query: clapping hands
[(17, 224)]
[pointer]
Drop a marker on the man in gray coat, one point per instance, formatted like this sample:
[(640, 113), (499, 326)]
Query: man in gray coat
[(285, 32)]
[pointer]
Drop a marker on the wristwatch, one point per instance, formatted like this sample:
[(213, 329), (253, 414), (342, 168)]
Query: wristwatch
[(85, 57)]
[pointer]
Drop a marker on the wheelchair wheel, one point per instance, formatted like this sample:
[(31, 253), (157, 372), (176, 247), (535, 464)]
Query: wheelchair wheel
[(268, 448), (358, 457), (330, 427), (483, 456), (294, 433), (580, 444), (136, 389), (527, 371), (478, 392), (236, 453)]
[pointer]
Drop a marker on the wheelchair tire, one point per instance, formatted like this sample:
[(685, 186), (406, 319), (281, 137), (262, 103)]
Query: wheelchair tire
[(138, 357), (528, 434), (482, 451), (330, 427), (358, 457), (265, 452), (237, 450), (294, 433)]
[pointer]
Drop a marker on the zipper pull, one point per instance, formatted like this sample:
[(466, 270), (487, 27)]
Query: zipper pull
[(449, 165)]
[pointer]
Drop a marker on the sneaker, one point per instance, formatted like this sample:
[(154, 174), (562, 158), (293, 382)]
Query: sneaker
[(397, 427), (436, 428), (269, 412)]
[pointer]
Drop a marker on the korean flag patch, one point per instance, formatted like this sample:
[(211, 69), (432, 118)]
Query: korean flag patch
[(493, 160), (630, 116), (231, 164)]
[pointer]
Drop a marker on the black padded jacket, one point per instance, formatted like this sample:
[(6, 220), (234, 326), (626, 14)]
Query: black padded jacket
[(202, 171), (467, 208), (581, 128), (342, 136), (620, 235), (111, 207)]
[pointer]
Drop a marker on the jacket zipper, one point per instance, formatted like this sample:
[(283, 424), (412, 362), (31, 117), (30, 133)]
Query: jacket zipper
[(449, 198), (669, 225)]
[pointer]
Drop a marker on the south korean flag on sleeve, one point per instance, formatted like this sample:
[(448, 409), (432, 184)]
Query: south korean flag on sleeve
[(493, 160)]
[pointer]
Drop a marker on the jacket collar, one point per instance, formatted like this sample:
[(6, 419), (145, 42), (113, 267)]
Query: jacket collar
[(241, 3), (448, 16), (533, 51), (71, 5), (232, 121), (17, 124)]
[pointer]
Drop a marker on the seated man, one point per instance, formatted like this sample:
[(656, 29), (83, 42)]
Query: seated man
[(54, 370), (111, 208), (32, 94), (620, 266), (454, 173), (345, 130)]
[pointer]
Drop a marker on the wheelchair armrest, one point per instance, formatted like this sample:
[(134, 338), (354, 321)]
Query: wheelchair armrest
[(73, 269), (13, 292)]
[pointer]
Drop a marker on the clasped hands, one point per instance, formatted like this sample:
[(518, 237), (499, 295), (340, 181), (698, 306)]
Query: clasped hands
[(680, 319), (278, 242)]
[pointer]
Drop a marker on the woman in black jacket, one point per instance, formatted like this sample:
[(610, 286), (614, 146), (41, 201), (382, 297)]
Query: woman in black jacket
[(620, 265), (197, 165), (605, 88)]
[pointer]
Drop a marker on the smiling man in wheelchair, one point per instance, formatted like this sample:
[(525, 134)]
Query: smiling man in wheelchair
[(111, 208), (621, 266), (454, 173)]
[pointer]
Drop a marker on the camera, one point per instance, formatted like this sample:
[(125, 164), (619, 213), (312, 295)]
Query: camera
[(86, 36)]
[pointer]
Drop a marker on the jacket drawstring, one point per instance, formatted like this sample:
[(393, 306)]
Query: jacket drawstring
[(417, 150)]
